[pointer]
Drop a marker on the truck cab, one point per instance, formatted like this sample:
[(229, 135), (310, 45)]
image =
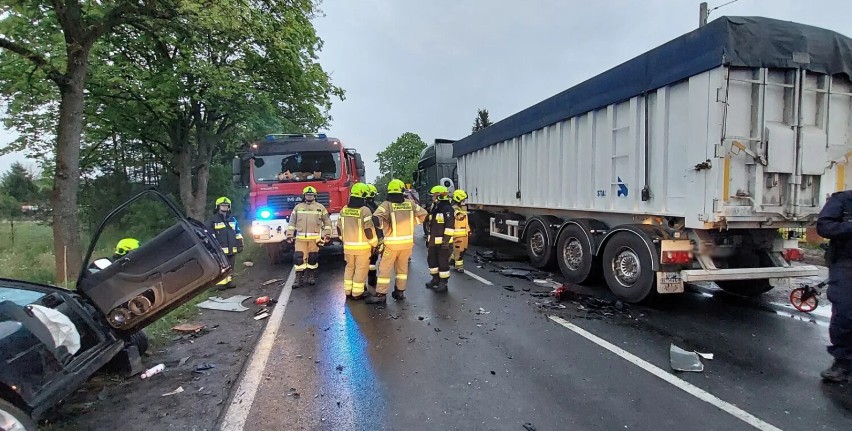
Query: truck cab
[(436, 163), (278, 168)]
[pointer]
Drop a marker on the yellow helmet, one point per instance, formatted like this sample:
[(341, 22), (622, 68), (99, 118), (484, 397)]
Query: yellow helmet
[(127, 244), (221, 201), (373, 191), (359, 190), (309, 189), (396, 186), (459, 195)]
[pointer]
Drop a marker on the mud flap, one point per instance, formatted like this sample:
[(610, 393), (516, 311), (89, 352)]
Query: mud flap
[(669, 282)]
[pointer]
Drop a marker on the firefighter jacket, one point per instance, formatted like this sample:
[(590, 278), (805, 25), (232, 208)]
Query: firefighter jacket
[(371, 204), (227, 231), (441, 224), (397, 220), (461, 229), (356, 230), (309, 221)]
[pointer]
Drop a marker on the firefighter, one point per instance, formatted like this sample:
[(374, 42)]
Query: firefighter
[(396, 217), (461, 229), (309, 226), (227, 231), (835, 223), (123, 247), (374, 257), (440, 241), (355, 228)]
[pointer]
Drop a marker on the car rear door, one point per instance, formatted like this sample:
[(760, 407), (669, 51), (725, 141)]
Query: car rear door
[(165, 271)]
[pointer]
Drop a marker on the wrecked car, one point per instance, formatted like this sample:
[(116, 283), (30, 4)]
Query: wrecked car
[(52, 339)]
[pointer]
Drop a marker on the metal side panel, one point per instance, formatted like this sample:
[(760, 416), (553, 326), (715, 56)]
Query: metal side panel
[(696, 275)]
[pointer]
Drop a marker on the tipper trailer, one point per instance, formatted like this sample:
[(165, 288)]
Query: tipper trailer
[(677, 166)]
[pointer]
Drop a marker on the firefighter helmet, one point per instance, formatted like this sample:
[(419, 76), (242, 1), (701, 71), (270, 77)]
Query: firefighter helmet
[(309, 189), (373, 191), (223, 201), (396, 186), (459, 195), (359, 190), (126, 245)]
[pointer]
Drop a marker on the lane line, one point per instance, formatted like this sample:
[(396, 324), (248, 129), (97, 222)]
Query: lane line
[(240, 407), (478, 278), (687, 387)]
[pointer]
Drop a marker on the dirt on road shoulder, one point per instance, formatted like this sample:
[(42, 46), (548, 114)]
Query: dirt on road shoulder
[(205, 365)]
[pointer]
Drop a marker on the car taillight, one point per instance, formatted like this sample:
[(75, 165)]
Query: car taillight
[(677, 257), (791, 254)]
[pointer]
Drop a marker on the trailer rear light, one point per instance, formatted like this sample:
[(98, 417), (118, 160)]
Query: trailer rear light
[(793, 254), (677, 257)]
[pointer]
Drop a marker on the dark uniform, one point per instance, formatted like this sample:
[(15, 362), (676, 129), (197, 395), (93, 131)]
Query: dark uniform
[(227, 231), (835, 223), (374, 257), (440, 244)]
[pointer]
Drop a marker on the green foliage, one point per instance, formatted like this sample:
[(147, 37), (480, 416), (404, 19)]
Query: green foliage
[(381, 184), (400, 158), (482, 121), (10, 208), (19, 184)]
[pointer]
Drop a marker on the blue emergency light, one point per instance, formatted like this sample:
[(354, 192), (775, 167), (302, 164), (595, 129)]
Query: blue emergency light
[(264, 214)]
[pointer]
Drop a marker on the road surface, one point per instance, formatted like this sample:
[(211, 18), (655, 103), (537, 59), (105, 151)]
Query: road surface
[(438, 362)]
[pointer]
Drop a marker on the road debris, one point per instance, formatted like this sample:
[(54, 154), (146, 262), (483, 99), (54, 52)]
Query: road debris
[(174, 392), (529, 427), (261, 314), (183, 360), (200, 368), (157, 369), (268, 282), (707, 356), (682, 360), (189, 328), (340, 368), (437, 329), (233, 303), (495, 256), (248, 263), (482, 311), (411, 339), (265, 301)]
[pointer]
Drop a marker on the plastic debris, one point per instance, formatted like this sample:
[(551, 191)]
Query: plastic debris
[(482, 311), (189, 328), (157, 369), (262, 315), (248, 263), (268, 282), (201, 368), (681, 360), (515, 272), (174, 392), (183, 360), (707, 356), (233, 303), (529, 427)]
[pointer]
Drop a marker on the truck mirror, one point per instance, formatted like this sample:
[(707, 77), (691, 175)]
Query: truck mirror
[(236, 170), (258, 161), (414, 176), (359, 166)]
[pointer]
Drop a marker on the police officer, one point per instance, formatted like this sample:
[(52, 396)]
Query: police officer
[(461, 230), (835, 223), (355, 228), (440, 241), (396, 217), (309, 226), (227, 231), (377, 251)]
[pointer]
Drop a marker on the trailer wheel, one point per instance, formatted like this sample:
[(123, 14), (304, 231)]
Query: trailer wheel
[(479, 234), (540, 252), (745, 287), (574, 255), (627, 268)]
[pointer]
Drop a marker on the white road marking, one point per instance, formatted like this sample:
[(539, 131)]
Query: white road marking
[(478, 278), (238, 410), (689, 388)]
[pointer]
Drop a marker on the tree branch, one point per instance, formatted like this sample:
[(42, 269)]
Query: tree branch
[(52, 73)]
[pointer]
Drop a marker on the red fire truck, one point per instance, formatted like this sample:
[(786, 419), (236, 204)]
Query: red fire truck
[(277, 169)]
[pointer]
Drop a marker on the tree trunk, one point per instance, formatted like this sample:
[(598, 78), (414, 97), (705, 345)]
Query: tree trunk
[(66, 233), (187, 197)]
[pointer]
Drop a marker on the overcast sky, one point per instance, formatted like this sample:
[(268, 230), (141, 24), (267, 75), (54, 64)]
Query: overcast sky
[(426, 66)]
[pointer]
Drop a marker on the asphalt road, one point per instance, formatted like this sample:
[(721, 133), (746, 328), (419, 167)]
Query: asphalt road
[(433, 363)]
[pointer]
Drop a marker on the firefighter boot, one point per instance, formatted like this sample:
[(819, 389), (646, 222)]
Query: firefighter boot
[(397, 294), (311, 273), (840, 372), (433, 283), (377, 299), (442, 285), (297, 283)]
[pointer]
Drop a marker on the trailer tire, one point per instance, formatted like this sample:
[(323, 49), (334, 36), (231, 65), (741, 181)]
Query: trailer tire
[(747, 288), (627, 267), (540, 251), (478, 231), (574, 255)]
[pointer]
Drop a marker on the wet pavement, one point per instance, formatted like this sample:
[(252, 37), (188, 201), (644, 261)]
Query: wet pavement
[(436, 361)]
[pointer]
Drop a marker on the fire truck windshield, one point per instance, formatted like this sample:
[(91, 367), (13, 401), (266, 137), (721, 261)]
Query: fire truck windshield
[(301, 166)]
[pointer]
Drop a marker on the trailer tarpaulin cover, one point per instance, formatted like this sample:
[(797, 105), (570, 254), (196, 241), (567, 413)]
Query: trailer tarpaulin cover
[(732, 41)]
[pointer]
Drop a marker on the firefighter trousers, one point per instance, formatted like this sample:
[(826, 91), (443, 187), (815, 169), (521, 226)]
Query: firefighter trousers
[(459, 247), (393, 260), (355, 273), (232, 259), (306, 255), (438, 258)]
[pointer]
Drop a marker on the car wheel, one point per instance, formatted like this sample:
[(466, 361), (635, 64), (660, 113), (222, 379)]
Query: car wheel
[(14, 419), (575, 258), (140, 340), (539, 250), (627, 268)]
